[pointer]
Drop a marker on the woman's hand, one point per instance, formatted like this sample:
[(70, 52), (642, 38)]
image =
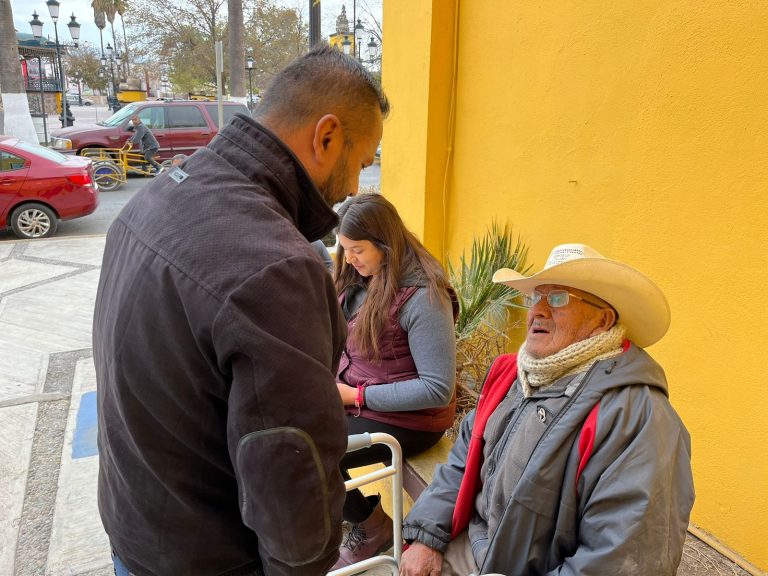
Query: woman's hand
[(347, 393), (421, 560)]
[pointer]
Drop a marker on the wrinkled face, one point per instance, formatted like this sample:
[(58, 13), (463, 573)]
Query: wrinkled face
[(363, 255), (552, 329), (358, 153)]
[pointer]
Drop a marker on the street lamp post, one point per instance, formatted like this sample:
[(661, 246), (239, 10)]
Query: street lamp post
[(372, 46), (42, 99), (249, 67), (77, 76), (359, 31), (74, 30), (112, 57)]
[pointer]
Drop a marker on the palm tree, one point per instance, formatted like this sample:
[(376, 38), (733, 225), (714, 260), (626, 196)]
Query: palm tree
[(484, 308), (17, 120), (122, 6), (108, 8)]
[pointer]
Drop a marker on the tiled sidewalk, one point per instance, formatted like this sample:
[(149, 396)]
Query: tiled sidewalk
[(48, 461)]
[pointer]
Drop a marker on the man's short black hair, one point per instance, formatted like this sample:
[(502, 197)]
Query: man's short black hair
[(322, 81)]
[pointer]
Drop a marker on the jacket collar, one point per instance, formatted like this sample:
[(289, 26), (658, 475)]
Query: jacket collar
[(265, 160)]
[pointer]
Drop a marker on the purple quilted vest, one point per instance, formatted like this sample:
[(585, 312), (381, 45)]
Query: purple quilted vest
[(396, 364)]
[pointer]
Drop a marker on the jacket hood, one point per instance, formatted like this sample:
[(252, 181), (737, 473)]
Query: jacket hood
[(634, 366), (272, 160)]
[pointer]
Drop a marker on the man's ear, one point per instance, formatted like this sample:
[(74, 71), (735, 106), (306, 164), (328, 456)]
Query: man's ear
[(606, 321), (609, 318), (328, 140)]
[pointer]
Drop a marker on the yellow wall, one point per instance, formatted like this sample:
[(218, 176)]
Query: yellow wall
[(640, 128)]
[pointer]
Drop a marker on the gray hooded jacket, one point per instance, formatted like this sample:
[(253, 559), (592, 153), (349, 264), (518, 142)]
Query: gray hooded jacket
[(626, 514)]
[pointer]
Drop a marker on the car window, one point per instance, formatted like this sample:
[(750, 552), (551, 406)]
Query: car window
[(152, 117), (10, 162), (46, 153), (229, 111), (186, 117), (117, 118)]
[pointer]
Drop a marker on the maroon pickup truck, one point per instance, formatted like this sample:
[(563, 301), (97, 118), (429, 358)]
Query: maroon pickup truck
[(180, 126)]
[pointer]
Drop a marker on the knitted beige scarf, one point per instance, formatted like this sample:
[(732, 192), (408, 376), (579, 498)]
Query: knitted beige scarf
[(540, 373)]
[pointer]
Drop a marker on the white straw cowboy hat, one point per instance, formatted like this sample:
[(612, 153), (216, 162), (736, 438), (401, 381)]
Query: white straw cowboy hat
[(641, 305)]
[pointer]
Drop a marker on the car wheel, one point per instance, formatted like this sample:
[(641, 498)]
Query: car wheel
[(107, 175), (86, 103), (34, 221)]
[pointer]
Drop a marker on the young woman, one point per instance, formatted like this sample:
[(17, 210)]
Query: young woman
[(398, 369)]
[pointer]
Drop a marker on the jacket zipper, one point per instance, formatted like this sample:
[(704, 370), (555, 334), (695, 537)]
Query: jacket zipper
[(567, 405)]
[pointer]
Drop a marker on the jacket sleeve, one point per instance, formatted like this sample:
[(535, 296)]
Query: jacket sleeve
[(137, 133), (637, 489), (430, 519), (280, 336)]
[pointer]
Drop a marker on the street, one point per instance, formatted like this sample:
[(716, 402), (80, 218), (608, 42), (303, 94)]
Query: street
[(110, 203)]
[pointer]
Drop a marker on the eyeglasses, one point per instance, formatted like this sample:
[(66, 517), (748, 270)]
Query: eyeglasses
[(555, 299)]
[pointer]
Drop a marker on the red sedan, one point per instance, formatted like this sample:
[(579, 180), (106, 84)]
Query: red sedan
[(39, 187)]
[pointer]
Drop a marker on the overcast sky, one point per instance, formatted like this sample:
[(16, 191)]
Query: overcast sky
[(22, 14)]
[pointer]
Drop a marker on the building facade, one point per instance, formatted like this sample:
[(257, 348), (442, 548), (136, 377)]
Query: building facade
[(638, 128)]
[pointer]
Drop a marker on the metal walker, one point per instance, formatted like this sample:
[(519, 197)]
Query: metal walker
[(395, 470)]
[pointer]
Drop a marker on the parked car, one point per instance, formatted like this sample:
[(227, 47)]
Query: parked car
[(180, 126), (74, 100), (39, 187)]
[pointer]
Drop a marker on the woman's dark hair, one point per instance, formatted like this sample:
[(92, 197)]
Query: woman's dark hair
[(372, 217)]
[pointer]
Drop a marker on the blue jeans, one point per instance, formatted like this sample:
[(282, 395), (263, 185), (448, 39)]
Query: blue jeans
[(120, 568)]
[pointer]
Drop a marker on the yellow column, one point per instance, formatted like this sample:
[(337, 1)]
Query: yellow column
[(418, 56)]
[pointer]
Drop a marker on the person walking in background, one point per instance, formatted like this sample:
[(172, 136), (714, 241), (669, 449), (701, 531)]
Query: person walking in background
[(398, 369), (143, 137), (217, 337), (574, 461)]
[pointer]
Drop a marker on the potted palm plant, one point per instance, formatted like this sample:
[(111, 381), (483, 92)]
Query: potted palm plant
[(484, 308)]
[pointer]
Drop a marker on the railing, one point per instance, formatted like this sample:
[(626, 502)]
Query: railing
[(49, 85)]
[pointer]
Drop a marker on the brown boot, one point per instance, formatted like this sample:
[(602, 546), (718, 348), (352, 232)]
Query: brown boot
[(370, 537)]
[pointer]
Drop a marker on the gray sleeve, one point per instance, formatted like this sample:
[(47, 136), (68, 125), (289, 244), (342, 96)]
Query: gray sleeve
[(431, 338), (138, 134), (431, 516), (322, 251)]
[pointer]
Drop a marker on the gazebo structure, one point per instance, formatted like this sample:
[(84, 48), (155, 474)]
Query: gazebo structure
[(41, 76)]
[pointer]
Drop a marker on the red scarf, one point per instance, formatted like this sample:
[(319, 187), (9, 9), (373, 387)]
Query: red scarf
[(500, 378)]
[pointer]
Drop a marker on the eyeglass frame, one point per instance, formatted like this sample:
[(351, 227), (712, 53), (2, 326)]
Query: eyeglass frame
[(528, 297)]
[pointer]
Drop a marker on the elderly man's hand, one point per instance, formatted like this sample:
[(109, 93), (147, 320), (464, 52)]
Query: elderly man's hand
[(421, 560)]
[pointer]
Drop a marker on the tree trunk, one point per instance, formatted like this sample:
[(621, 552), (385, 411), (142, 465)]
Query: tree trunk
[(16, 119), (236, 50), (125, 49)]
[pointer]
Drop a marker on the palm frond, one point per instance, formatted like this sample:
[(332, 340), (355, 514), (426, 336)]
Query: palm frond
[(483, 309), (480, 300)]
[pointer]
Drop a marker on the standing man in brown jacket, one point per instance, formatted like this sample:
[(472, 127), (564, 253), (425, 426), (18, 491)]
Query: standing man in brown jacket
[(217, 336)]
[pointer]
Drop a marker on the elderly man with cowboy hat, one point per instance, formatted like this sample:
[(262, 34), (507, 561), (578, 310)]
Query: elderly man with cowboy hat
[(574, 461)]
